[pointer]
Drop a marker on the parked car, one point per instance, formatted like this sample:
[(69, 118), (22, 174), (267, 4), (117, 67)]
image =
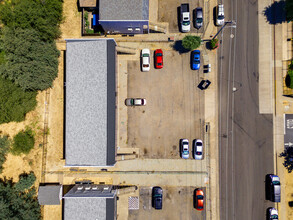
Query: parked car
[(145, 60), (157, 197), (220, 19), (159, 59), (198, 18), (197, 149), (185, 18), (135, 102), (273, 188), (184, 148), (195, 59), (198, 199), (204, 84), (272, 213)]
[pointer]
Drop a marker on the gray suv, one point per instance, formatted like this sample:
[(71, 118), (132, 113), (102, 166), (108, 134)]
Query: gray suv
[(198, 18), (273, 188)]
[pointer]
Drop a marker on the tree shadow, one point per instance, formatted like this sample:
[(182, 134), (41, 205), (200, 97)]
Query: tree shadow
[(178, 47), (275, 13), (288, 80)]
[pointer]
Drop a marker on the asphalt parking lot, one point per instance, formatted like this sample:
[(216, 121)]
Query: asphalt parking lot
[(167, 10), (174, 109), (177, 204)]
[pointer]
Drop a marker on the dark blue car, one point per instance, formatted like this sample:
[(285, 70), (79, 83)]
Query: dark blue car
[(157, 197), (195, 60)]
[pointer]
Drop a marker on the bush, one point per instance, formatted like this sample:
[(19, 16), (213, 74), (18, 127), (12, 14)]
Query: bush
[(4, 148), (16, 204), (214, 43), (191, 42), (43, 16), (14, 102), (25, 182), (23, 142), (29, 62)]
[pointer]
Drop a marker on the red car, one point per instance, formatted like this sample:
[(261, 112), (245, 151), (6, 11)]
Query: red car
[(198, 199), (158, 59)]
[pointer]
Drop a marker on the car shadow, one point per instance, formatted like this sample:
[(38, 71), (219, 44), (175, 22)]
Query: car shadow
[(178, 18)]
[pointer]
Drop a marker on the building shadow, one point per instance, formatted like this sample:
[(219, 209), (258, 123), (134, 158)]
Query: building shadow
[(275, 13)]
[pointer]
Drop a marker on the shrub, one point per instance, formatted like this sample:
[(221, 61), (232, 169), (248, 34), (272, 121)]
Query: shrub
[(23, 142), (25, 182), (44, 16), (4, 148), (14, 102), (214, 43), (191, 42), (29, 62)]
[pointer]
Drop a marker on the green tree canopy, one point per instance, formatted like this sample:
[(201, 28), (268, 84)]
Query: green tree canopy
[(14, 102), (44, 16), (29, 62), (4, 148), (289, 9), (190, 42), (15, 204), (23, 142), (25, 182), (288, 158)]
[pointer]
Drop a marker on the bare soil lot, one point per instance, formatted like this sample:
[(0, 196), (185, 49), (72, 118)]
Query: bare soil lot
[(174, 110), (177, 204)]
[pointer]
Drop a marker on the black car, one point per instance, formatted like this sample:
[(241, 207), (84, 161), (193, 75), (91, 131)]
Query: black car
[(157, 197), (204, 84)]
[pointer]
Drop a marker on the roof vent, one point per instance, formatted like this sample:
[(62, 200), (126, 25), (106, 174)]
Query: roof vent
[(79, 187)]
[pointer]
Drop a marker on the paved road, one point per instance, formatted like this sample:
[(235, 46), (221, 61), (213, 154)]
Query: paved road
[(246, 137)]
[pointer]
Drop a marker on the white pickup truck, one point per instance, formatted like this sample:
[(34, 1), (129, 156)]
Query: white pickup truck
[(185, 18)]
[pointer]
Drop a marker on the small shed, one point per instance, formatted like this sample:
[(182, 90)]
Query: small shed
[(50, 195), (88, 3)]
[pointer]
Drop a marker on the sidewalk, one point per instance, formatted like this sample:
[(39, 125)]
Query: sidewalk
[(274, 51)]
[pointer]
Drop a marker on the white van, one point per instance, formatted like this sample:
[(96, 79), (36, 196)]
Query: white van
[(220, 20)]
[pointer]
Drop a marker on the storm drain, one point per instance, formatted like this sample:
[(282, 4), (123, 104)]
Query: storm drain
[(133, 203)]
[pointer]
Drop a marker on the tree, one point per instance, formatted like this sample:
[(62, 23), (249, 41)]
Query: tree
[(23, 142), (29, 62), (191, 42), (214, 43), (25, 182), (15, 204), (289, 10), (288, 158), (14, 102), (4, 148), (44, 16)]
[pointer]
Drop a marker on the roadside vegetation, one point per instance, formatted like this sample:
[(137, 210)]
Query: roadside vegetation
[(23, 142), (289, 77), (28, 53), (190, 42), (289, 10), (288, 158), (18, 200)]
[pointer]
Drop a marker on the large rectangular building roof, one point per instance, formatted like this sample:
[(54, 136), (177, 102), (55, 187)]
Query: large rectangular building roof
[(90, 102), (124, 10)]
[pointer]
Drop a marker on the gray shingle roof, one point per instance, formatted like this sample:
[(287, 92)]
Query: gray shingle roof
[(90, 102), (124, 9), (50, 195), (93, 203)]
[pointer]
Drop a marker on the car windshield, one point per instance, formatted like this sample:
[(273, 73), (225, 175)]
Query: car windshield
[(196, 61), (145, 55), (159, 54), (198, 20), (276, 182), (199, 144), (145, 65), (274, 217), (221, 17), (185, 151), (200, 197), (159, 64), (186, 23)]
